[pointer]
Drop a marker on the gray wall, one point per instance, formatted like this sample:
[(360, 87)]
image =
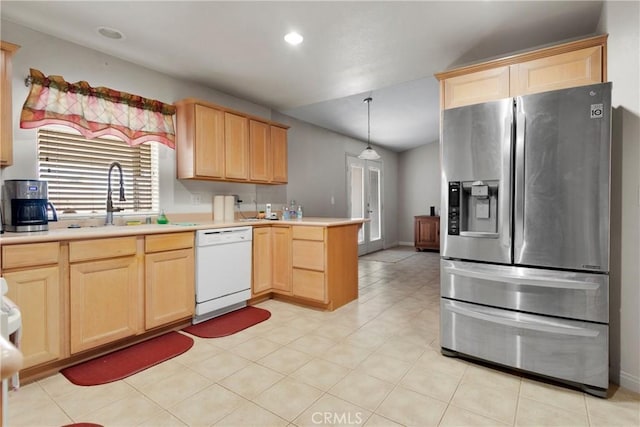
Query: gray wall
[(622, 21), (317, 172), (418, 186)]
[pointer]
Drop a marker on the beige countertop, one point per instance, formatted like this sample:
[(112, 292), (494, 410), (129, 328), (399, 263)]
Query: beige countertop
[(57, 233)]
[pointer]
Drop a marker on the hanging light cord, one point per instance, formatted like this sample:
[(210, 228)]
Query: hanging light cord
[(368, 101)]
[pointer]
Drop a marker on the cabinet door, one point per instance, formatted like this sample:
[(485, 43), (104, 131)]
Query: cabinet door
[(37, 293), (577, 68), (169, 287), (281, 240), (104, 301), (209, 142), (259, 151), (262, 260), (236, 132), (427, 233), (474, 88), (279, 154), (6, 106)]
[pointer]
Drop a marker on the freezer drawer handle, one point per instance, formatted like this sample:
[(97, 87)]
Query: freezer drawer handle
[(481, 234), (519, 323), (531, 280)]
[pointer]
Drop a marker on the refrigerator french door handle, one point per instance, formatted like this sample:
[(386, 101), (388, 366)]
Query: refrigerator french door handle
[(530, 280), (516, 321), (521, 123)]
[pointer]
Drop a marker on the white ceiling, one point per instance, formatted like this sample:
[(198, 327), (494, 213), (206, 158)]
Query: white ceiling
[(385, 49)]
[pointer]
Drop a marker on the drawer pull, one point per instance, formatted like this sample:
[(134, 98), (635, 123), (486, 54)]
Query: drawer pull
[(517, 321)]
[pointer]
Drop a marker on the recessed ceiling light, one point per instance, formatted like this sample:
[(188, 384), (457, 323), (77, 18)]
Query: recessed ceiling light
[(293, 38), (110, 33)]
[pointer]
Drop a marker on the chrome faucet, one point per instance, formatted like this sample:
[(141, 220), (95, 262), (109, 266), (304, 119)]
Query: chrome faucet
[(110, 208)]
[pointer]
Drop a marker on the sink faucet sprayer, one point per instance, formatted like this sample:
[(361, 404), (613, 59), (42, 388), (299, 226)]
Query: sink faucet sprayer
[(110, 208)]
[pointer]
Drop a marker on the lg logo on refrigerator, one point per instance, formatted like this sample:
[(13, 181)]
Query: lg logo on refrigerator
[(597, 111)]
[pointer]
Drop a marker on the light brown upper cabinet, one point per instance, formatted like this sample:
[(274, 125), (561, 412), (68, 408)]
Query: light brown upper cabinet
[(236, 146), (571, 64), (217, 143), (201, 142), (279, 155), (578, 68), (474, 88), (260, 151), (6, 107), (267, 153)]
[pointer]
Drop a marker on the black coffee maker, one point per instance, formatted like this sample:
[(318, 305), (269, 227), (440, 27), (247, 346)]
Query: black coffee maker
[(25, 206)]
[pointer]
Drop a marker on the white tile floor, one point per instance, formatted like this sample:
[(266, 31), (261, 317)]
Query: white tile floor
[(374, 362)]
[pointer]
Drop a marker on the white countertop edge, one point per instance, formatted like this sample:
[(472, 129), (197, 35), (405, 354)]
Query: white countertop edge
[(9, 238)]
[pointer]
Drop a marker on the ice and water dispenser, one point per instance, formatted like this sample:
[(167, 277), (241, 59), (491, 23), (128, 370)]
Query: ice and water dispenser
[(473, 208)]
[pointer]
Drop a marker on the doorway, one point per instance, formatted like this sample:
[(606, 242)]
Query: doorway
[(364, 178)]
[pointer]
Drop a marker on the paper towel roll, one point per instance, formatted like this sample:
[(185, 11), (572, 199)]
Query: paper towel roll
[(218, 208), (229, 208)]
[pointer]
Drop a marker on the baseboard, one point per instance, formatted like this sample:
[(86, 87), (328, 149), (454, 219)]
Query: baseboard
[(389, 245), (405, 243), (630, 382)]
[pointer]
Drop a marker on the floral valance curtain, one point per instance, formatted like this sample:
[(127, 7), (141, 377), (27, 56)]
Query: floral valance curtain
[(97, 111)]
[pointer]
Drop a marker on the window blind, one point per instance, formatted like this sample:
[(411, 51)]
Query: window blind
[(76, 171)]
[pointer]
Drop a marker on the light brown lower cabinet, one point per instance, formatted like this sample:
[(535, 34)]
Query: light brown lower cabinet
[(262, 260), (314, 265), (105, 291), (37, 293), (308, 261), (281, 273), (104, 302), (169, 278), (271, 260), (83, 294), (33, 276), (309, 284)]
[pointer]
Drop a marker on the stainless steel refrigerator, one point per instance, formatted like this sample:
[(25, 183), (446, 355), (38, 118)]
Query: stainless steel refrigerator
[(525, 226)]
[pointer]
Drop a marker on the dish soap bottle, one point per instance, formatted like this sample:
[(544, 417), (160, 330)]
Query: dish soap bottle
[(162, 218), (299, 212)]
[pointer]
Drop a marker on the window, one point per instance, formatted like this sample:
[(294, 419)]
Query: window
[(76, 171)]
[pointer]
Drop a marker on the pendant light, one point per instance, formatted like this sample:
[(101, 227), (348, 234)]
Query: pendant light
[(369, 153)]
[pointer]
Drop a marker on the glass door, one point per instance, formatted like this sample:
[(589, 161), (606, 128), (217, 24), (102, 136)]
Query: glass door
[(365, 201)]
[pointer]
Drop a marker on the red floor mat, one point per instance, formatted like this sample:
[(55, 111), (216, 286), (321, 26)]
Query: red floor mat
[(229, 323), (128, 361)]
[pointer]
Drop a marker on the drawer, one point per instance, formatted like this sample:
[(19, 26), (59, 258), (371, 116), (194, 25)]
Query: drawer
[(168, 242), (308, 254), (308, 233), (583, 296), (84, 250), (566, 349), (309, 284), (27, 255)]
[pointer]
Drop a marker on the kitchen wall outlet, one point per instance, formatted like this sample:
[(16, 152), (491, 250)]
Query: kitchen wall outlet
[(196, 198), (333, 200)]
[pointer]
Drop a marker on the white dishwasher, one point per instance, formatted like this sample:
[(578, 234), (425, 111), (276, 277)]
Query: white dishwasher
[(223, 271)]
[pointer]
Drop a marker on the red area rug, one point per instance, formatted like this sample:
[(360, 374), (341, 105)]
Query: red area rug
[(128, 361), (229, 323)]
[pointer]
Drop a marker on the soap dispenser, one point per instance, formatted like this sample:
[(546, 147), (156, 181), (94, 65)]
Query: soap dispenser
[(162, 218)]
